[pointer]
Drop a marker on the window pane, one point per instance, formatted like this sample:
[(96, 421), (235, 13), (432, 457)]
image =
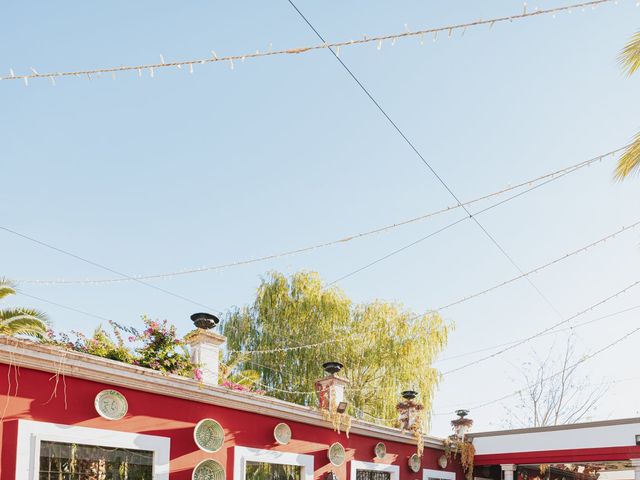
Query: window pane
[(73, 461), (372, 475), (272, 471)]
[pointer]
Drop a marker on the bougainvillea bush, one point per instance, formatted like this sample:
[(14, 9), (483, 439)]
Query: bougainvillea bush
[(157, 347)]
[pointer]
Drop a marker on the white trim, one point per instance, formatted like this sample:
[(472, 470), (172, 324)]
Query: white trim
[(27, 354), (242, 455), (356, 465), (439, 474), (31, 433)]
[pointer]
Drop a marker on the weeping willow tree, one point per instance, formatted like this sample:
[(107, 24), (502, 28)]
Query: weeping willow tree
[(384, 347)]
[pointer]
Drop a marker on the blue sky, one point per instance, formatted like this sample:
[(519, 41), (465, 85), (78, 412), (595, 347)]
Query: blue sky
[(158, 174)]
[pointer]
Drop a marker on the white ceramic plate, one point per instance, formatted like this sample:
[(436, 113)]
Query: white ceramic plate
[(282, 433), (336, 454), (380, 450), (111, 404), (208, 435), (208, 470), (414, 463)]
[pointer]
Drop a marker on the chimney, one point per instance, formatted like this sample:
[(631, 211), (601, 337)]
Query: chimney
[(408, 410), (330, 388), (205, 346)]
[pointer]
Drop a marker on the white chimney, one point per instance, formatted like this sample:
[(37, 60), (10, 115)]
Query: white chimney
[(205, 346)]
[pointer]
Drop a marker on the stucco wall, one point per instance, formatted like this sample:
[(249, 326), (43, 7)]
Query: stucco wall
[(31, 394)]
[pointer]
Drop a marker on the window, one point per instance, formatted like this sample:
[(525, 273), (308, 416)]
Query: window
[(272, 471), (374, 471), (372, 475), (258, 464), (437, 475), (73, 461), (48, 451)]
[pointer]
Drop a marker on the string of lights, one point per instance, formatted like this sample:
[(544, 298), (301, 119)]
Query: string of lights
[(447, 227), (343, 338), (340, 241), (232, 60), (566, 329), (541, 267), (542, 332), (550, 377), (429, 166), (103, 267)]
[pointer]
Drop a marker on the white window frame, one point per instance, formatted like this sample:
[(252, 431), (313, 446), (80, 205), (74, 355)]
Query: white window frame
[(356, 465), (32, 433), (437, 474), (242, 455)]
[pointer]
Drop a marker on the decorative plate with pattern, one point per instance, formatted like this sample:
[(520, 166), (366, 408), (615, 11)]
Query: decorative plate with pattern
[(380, 450), (111, 404), (208, 470), (208, 435), (414, 463), (282, 433), (336, 454), (442, 461)]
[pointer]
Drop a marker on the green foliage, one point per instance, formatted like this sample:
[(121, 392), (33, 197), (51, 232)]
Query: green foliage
[(158, 347), (385, 348), (162, 350), (629, 59), (20, 321)]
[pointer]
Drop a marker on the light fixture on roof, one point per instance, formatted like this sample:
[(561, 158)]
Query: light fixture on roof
[(461, 425), (205, 321)]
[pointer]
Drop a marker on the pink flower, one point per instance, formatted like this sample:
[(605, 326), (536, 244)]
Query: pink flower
[(197, 373), (132, 339)]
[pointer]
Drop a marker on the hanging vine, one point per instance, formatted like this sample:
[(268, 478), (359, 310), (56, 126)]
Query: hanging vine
[(411, 417), (341, 422), (455, 447)]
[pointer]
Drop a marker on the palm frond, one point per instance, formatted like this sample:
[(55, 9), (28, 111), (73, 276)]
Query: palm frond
[(23, 326), (7, 287), (629, 162), (22, 312), (629, 57)]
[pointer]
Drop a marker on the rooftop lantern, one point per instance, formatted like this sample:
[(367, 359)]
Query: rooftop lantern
[(205, 321), (205, 346), (330, 388), (409, 410), (461, 425), (410, 417)]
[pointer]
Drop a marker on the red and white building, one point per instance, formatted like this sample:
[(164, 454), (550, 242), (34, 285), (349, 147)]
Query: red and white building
[(47, 408), (47, 405)]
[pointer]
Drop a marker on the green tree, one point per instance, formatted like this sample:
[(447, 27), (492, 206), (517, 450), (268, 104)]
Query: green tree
[(20, 320), (385, 348), (630, 61)]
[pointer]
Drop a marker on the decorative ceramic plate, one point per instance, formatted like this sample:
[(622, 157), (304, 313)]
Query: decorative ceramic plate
[(208, 435), (282, 433), (414, 463), (336, 454), (380, 450), (442, 461), (208, 470), (111, 405)]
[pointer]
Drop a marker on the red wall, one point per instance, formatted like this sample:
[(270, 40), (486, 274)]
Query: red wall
[(32, 394)]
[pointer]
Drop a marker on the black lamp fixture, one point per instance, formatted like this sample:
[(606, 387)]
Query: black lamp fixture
[(332, 367), (205, 321), (409, 394)]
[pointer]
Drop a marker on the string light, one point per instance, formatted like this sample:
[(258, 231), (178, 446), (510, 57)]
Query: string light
[(557, 174), (582, 360), (295, 51), (542, 332)]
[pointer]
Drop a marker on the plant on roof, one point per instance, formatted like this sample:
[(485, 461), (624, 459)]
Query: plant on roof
[(162, 350), (20, 320)]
